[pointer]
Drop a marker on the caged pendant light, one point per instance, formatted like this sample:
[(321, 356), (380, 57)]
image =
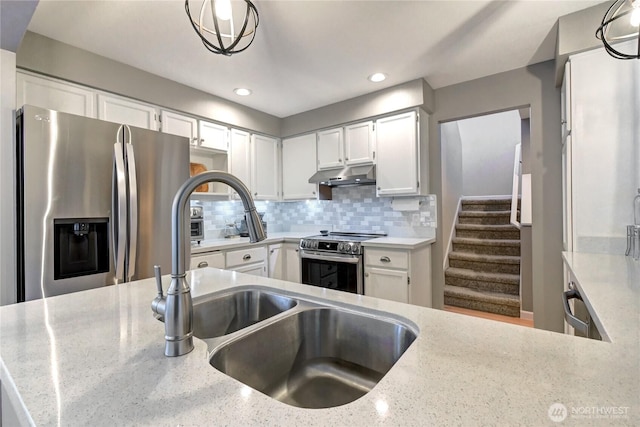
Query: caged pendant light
[(220, 31), (620, 23)]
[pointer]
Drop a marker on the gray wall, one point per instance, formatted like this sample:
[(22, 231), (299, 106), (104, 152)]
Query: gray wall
[(452, 181), (44, 55), (532, 86), (526, 265), (416, 93), (488, 146)]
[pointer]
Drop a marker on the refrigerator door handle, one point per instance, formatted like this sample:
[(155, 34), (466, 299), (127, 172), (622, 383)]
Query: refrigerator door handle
[(119, 212), (133, 208)]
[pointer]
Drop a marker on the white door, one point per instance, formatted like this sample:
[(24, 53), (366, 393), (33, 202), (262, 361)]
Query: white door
[(240, 157), (257, 269), (330, 148), (214, 136), (397, 148), (55, 95), (264, 177), (359, 142), (178, 124), (292, 262), (120, 110), (387, 284), (276, 262), (298, 165)]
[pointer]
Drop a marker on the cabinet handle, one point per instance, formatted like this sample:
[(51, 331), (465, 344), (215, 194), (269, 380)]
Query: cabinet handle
[(203, 264), (346, 159), (247, 257), (255, 194), (297, 250), (194, 141), (378, 188), (314, 193), (366, 274), (339, 160), (271, 251), (385, 259), (201, 140)]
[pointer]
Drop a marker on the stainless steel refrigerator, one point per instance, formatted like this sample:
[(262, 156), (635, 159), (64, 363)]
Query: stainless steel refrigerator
[(94, 201)]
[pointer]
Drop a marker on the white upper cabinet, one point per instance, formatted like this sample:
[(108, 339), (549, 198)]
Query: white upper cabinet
[(55, 95), (330, 148), (359, 143), (178, 124), (400, 156), (240, 156), (264, 167), (214, 136), (120, 110), (298, 165)]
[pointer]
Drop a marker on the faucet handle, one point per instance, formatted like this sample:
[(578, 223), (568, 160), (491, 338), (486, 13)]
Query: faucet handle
[(156, 269)]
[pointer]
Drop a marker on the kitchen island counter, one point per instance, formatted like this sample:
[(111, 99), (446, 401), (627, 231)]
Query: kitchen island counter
[(96, 358)]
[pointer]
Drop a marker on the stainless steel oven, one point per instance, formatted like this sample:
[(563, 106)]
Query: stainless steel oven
[(197, 224), (334, 261)]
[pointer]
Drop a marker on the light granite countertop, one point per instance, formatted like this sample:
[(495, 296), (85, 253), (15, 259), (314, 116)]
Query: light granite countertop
[(96, 358), (211, 245)]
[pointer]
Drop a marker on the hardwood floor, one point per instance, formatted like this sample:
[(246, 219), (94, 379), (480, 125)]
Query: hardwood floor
[(490, 316)]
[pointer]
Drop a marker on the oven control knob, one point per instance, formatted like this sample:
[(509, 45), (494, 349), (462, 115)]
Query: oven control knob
[(303, 244), (314, 244), (341, 247), (355, 248)]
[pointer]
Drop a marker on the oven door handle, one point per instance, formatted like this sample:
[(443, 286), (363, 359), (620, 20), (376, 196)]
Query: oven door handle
[(335, 258)]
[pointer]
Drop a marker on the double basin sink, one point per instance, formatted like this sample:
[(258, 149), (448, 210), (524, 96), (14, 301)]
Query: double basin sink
[(303, 352)]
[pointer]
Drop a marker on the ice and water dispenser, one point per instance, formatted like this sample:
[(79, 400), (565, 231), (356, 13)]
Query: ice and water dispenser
[(81, 247)]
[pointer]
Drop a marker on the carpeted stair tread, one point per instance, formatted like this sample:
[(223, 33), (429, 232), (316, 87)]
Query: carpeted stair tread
[(484, 213), (499, 259), (489, 297), (463, 273), (486, 242), (487, 227)]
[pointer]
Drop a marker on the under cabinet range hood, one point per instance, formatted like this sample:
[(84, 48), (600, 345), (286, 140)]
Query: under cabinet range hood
[(348, 175)]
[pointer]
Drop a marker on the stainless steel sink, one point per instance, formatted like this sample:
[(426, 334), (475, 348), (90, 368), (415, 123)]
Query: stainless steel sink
[(315, 357), (222, 314)]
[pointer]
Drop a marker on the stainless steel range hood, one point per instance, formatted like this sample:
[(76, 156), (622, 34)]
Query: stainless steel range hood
[(349, 175)]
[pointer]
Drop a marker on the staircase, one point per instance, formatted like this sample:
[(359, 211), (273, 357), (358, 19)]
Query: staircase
[(484, 264)]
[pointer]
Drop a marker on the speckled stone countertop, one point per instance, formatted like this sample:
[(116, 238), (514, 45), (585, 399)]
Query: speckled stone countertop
[(237, 242), (96, 358)]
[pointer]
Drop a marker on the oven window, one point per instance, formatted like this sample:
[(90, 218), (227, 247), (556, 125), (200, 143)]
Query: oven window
[(330, 274)]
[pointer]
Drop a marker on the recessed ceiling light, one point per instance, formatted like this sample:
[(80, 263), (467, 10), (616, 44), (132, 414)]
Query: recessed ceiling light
[(242, 91), (377, 77)]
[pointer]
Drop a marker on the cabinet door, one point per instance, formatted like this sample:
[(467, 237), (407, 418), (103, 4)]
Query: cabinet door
[(397, 162), (240, 153), (387, 284), (257, 269), (565, 101), (330, 149), (359, 142), (264, 160), (214, 136), (215, 259), (276, 262), (55, 95), (298, 165), (120, 110), (177, 124), (291, 262)]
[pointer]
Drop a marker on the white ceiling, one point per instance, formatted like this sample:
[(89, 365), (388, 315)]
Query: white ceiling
[(309, 54)]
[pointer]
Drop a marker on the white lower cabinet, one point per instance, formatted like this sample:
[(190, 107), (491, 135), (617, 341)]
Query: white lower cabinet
[(284, 262), (249, 260), (208, 259), (402, 275)]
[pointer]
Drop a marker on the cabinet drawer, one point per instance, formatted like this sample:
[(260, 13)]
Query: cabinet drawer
[(214, 259), (245, 256), (389, 258)]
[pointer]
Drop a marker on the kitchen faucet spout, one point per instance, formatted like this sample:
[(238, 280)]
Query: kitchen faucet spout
[(177, 307)]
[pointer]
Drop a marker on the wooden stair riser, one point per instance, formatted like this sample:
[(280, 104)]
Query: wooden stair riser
[(485, 220), (482, 306), (482, 285), (509, 234), (487, 267), (486, 250)]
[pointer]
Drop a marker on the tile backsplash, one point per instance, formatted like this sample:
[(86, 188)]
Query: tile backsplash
[(352, 209)]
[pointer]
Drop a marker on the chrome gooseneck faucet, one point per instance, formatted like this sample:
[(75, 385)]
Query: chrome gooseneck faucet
[(177, 306)]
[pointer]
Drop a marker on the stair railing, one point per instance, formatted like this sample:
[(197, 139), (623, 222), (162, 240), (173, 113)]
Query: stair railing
[(515, 189)]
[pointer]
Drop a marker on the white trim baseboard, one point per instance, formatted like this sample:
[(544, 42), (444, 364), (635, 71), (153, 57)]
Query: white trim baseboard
[(452, 234), (526, 315)]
